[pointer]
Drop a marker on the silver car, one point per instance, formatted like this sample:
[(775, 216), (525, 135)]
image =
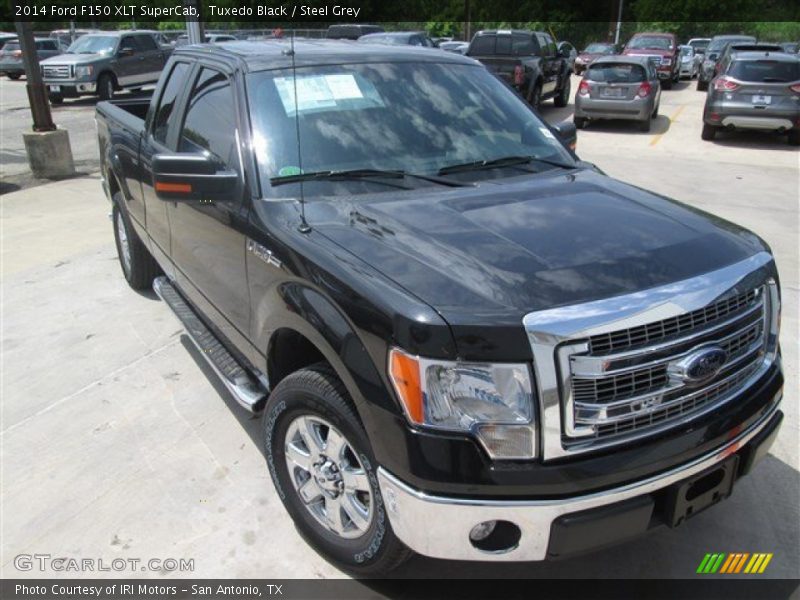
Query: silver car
[(619, 87), (688, 60), (757, 90)]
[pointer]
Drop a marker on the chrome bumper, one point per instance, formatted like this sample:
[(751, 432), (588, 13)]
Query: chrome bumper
[(765, 123), (439, 526)]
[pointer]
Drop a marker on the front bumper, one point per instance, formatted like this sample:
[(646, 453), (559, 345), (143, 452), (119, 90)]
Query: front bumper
[(71, 88), (637, 109), (440, 527)]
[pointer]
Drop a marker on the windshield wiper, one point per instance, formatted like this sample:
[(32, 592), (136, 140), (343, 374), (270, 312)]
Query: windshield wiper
[(364, 174), (505, 161), (774, 80)]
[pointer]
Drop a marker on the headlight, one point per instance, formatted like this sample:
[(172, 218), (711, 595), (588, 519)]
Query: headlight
[(493, 402), (84, 71), (666, 62)]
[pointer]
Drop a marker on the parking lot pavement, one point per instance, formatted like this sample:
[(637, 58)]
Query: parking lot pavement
[(76, 116), (117, 440)]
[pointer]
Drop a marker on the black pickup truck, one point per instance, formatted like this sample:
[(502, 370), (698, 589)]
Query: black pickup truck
[(464, 341), (529, 61)]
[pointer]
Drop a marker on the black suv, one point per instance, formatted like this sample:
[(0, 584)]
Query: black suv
[(529, 61)]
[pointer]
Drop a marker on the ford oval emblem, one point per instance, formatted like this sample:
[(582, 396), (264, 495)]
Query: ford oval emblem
[(700, 365)]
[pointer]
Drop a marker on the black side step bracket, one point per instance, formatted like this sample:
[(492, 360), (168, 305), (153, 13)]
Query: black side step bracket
[(246, 389)]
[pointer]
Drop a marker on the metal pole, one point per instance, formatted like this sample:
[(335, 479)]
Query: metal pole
[(37, 94), (468, 24), (194, 26), (619, 22)]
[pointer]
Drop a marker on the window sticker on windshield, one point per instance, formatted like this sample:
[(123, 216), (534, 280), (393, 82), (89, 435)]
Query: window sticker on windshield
[(547, 133), (323, 92)]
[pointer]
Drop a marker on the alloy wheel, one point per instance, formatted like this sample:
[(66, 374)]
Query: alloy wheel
[(328, 476)]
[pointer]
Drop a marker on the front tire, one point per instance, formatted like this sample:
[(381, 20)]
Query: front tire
[(56, 98), (324, 471), (794, 137), (105, 87), (138, 265), (14, 76), (702, 86), (667, 84), (580, 122)]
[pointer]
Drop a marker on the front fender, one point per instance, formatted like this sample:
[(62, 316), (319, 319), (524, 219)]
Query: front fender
[(297, 306)]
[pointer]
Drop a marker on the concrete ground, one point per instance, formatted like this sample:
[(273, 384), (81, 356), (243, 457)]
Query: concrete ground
[(118, 441)]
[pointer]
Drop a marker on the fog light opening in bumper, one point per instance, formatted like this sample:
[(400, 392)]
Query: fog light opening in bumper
[(495, 537)]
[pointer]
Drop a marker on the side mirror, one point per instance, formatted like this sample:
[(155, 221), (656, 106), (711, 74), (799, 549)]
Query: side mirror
[(568, 133), (192, 177), (123, 52)]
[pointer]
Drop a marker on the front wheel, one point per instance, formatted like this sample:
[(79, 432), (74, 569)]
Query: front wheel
[(105, 87), (702, 86), (324, 471), (580, 122), (562, 99), (14, 76), (667, 84), (56, 98), (794, 137)]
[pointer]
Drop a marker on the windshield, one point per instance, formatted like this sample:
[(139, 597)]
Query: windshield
[(91, 44), (650, 43), (11, 47), (765, 71), (616, 73), (599, 49), (699, 44), (392, 40), (686, 51), (412, 117)]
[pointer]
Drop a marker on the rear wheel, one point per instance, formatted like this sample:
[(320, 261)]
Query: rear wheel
[(580, 122), (794, 137), (709, 132), (667, 84), (563, 97), (105, 87), (14, 76), (702, 86), (324, 471), (535, 97), (138, 265)]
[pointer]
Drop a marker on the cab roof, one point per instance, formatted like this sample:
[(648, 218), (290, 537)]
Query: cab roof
[(260, 55)]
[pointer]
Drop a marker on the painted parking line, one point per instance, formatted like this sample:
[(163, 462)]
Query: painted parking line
[(657, 138)]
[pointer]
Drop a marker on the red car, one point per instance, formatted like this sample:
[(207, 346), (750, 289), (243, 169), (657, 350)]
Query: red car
[(663, 50), (591, 53)]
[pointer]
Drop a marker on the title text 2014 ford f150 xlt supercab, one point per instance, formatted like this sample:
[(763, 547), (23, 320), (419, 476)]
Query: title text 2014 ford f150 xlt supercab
[(465, 341)]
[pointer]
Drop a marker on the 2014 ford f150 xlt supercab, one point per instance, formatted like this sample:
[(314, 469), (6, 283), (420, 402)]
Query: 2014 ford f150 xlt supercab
[(464, 341)]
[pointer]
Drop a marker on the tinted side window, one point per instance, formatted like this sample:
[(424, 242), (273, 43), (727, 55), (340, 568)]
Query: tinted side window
[(166, 105), (482, 45), (127, 43), (146, 43), (522, 45), (210, 123)]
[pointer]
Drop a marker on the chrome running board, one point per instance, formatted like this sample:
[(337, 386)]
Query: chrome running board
[(245, 389)]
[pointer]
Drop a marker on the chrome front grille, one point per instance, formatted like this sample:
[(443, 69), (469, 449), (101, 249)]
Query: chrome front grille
[(56, 71), (668, 328), (638, 386), (628, 367)]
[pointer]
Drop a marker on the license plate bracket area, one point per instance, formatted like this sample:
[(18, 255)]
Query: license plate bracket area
[(691, 496)]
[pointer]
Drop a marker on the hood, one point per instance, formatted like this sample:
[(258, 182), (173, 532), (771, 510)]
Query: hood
[(74, 59), (588, 56), (496, 252)]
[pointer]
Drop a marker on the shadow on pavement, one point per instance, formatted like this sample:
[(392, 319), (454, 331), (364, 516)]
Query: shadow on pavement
[(658, 126), (756, 140)]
